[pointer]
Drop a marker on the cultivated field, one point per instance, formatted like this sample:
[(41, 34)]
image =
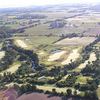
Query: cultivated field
[(83, 41), (9, 94), (37, 96)]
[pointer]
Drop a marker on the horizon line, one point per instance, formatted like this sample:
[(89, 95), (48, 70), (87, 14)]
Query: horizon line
[(27, 6)]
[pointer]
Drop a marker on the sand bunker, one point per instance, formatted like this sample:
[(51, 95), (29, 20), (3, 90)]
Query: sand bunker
[(2, 54), (56, 56), (21, 44), (74, 55)]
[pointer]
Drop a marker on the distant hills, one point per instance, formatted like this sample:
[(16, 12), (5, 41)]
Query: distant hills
[(94, 7)]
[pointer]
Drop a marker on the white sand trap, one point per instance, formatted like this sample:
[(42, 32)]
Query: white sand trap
[(56, 56), (14, 67), (91, 59), (74, 55), (2, 54), (41, 53), (21, 43)]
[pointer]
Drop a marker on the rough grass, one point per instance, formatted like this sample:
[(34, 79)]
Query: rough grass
[(98, 92), (83, 79), (98, 44), (83, 65), (38, 41), (13, 26), (41, 40), (91, 59), (49, 88), (2, 54), (13, 68)]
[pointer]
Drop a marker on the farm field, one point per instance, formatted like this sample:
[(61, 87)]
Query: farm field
[(38, 96), (9, 94), (76, 41)]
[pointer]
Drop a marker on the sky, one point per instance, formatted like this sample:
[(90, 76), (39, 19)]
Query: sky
[(22, 3)]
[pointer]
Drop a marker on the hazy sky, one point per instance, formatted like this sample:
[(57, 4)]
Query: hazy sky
[(19, 3)]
